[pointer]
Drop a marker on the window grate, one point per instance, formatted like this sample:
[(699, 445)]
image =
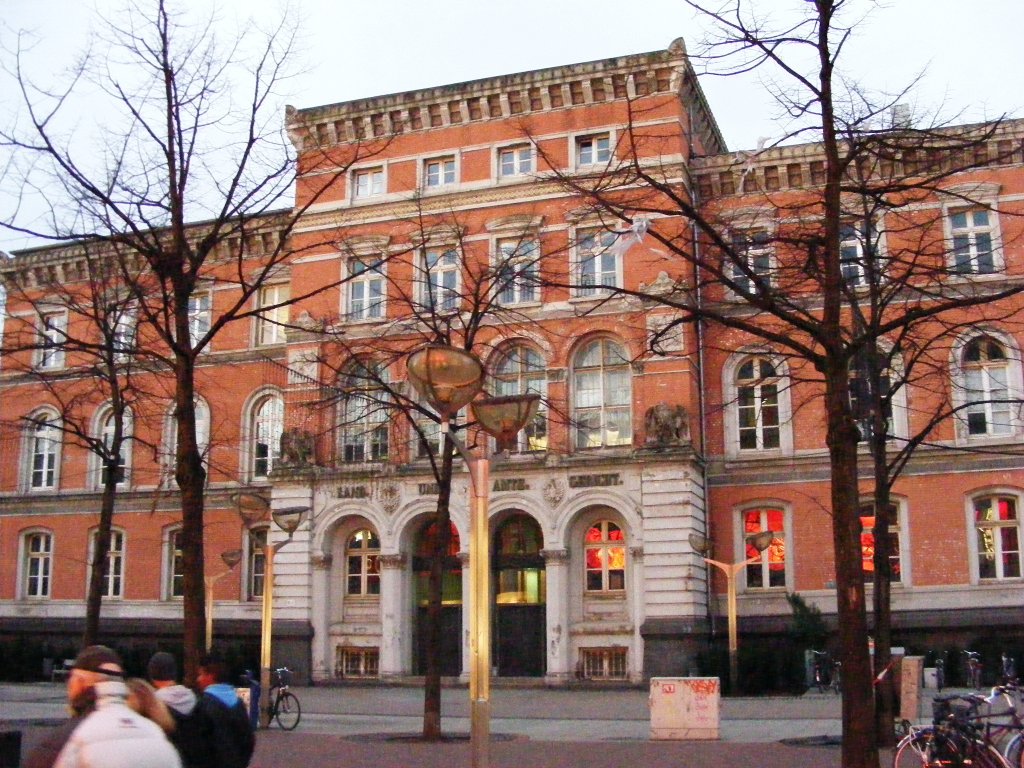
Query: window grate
[(603, 663), (350, 661)]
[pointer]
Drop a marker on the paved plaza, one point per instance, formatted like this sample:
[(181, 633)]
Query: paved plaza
[(548, 728)]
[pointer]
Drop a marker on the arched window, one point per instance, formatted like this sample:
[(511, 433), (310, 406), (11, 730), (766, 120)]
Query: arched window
[(770, 568), (113, 585), (107, 423), (37, 564), (362, 563), (520, 576), (602, 395), (997, 527), (986, 387), (363, 417), (605, 554), (43, 452), (520, 370), (203, 430), (265, 441), (757, 404)]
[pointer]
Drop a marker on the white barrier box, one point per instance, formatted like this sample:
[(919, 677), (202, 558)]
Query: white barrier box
[(685, 707)]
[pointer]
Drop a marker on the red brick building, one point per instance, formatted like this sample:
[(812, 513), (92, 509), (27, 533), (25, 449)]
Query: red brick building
[(456, 188)]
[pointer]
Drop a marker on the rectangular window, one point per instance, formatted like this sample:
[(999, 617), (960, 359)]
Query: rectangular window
[(368, 183), (867, 544), (603, 663), (515, 161), (441, 281), (45, 441), (591, 150), (53, 327), (770, 568), (598, 262), (365, 290), (198, 316), (271, 323), (998, 532), (973, 232), (113, 585), (257, 563), (439, 172), (356, 662), (753, 250), (38, 564), (123, 334), (852, 255), (516, 271), (175, 566)]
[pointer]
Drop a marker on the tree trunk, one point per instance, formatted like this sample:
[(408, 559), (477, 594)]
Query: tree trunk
[(884, 688), (438, 560), (100, 556)]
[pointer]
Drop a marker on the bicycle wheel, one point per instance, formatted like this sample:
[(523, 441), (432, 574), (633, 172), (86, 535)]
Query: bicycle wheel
[(288, 711), (914, 751), (1014, 752)]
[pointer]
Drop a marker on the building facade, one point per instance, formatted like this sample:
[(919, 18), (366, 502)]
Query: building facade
[(438, 197)]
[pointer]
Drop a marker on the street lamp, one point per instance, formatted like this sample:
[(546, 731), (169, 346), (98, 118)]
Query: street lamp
[(231, 558), (760, 541), (448, 379), (288, 519)]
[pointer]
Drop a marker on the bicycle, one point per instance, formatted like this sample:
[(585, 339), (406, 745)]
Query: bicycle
[(284, 705), (1009, 670), (826, 677), (973, 669), (940, 671)]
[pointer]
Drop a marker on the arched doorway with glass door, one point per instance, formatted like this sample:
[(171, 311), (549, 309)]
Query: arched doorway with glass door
[(520, 597), (450, 652)]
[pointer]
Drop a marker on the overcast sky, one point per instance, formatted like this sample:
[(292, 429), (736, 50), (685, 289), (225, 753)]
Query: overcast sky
[(969, 51)]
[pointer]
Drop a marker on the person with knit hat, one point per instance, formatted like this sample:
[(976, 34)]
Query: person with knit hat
[(193, 732)]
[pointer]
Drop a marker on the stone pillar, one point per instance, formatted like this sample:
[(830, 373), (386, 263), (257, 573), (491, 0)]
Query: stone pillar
[(323, 653), (559, 662), (466, 586), (637, 613), (395, 612)]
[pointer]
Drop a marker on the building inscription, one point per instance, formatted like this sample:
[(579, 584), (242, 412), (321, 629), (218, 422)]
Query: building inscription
[(510, 484), (352, 492), (428, 489), (594, 481)]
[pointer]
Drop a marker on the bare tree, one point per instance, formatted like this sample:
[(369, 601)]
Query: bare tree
[(789, 285), (188, 131)]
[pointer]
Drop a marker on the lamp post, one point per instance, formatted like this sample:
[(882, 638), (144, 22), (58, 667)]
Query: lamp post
[(448, 379), (231, 558), (760, 541), (288, 520)]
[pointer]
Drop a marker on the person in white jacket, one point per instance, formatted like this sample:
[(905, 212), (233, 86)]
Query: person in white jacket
[(112, 735)]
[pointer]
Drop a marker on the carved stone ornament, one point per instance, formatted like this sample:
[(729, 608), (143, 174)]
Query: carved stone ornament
[(296, 448), (553, 492), (321, 561), (390, 496), (392, 561), (666, 425), (555, 555)]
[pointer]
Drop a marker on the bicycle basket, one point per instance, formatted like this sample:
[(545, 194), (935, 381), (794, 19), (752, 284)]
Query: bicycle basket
[(284, 676)]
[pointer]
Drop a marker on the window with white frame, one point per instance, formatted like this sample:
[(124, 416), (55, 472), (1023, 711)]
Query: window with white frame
[(365, 417), (593, 149), (368, 182), (257, 565), (427, 437), (272, 322), (757, 405), (365, 289), (123, 333), (438, 172), (107, 427), (37, 564), (973, 234), (520, 370), (753, 259), (598, 262), (199, 316), (44, 451), (174, 564), (602, 395), (53, 336), (362, 563), (770, 568), (986, 372), (858, 254), (265, 441), (113, 582), (997, 528), (441, 279), (604, 551), (516, 271), (862, 396), (867, 543), (515, 161), (202, 412)]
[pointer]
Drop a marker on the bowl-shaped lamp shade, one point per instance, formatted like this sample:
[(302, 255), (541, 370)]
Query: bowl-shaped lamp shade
[(289, 518), (231, 557), (503, 418), (699, 542), (251, 506), (761, 540), (446, 377)]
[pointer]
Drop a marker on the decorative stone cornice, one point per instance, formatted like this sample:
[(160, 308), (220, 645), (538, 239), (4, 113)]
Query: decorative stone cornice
[(393, 561), (555, 556)]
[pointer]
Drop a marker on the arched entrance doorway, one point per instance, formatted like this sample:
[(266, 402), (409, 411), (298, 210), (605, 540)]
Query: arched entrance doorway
[(450, 652), (520, 588)]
